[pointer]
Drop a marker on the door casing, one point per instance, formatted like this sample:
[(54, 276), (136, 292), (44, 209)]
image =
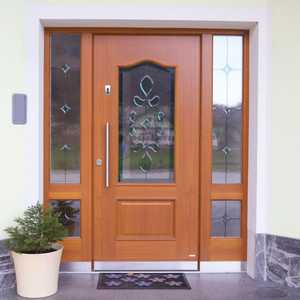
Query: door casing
[(80, 249)]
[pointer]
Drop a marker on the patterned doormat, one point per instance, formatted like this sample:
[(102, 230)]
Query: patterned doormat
[(142, 281)]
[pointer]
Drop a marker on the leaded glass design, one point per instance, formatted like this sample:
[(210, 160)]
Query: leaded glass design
[(146, 146), (69, 215), (226, 218), (227, 109), (65, 108)]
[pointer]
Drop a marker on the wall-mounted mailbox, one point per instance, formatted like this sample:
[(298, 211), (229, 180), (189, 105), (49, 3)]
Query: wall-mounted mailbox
[(19, 109)]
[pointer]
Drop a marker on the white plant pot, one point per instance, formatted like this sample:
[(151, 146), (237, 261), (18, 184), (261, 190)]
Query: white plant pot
[(37, 274)]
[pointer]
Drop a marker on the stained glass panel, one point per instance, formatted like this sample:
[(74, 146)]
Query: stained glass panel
[(69, 215), (227, 109), (226, 218), (65, 108), (146, 146)]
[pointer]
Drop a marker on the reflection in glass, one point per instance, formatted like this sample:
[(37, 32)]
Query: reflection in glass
[(65, 108), (69, 214), (227, 109), (226, 218), (146, 145)]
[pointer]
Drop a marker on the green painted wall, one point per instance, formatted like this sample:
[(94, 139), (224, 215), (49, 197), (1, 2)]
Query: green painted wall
[(12, 79), (284, 207), (284, 210)]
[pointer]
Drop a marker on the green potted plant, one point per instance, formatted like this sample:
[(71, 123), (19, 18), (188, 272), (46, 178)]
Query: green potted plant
[(35, 251)]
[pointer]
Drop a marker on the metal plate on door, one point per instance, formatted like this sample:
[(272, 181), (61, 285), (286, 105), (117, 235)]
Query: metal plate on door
[(107, 89)]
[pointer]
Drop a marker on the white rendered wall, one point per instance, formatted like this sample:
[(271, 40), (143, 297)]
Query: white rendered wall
[(13, 154), (284, 210)]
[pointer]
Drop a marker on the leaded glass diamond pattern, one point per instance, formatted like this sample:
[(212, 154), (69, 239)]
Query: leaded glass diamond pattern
[(65, 108), (227, 109), (69, 214), (65, 147), (65, 68), (226, 218)]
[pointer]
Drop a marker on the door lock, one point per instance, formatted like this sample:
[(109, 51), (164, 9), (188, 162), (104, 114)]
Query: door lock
[(107, 89)]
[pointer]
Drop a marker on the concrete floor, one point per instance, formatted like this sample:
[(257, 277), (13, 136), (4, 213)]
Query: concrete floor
[(204, 287)]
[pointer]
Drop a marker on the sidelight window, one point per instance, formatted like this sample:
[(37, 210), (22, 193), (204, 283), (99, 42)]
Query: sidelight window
[(227, 109), (65, 108)]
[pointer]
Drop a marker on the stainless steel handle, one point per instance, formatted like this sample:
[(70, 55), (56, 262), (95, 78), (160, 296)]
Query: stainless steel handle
[(107, 155)]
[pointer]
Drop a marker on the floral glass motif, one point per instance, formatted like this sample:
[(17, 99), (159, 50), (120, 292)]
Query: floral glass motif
[(227, 109), (146, 123), (226, 218), (65, 108)]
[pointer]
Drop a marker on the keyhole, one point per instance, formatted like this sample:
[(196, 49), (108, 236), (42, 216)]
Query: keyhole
[(107, 89)]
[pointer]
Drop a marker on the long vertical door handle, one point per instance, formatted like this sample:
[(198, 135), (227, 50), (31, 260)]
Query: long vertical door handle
[(107, 155)]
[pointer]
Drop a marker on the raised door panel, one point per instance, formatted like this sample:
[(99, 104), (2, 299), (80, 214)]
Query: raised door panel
[(145, 220)]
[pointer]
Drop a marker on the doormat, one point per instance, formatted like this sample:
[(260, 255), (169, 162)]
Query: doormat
[(143, 281)]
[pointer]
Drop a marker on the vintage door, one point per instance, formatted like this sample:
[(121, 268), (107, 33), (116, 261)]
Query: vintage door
[(146, 150)]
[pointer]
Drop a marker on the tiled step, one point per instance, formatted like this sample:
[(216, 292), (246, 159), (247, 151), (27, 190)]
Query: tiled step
[(293, 281), (7, 273), (6, 264), (7, 281), (5, 267), (4, 258)]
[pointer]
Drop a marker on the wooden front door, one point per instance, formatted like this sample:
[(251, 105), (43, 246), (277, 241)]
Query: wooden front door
[(146, 148)]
